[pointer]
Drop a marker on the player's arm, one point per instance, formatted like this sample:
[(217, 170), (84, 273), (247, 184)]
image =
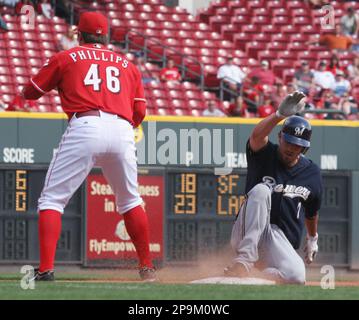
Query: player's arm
[(259, 136), (139, 104), (288, 107), (46, 80), (139, 112), (311, 245), (312, 225)]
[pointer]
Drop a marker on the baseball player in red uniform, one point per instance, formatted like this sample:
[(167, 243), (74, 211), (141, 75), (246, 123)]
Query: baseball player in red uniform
[(102, 94)]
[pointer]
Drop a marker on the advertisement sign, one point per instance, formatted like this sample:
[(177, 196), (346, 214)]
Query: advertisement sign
[(107, 240)]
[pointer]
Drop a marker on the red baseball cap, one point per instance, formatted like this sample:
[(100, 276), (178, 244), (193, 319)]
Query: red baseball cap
[(93, 22)]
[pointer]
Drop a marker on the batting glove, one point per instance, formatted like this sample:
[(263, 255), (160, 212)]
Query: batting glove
[(291, 105), (311, 248)]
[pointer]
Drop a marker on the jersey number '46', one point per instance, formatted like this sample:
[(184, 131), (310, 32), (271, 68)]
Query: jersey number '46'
[(112, 81)]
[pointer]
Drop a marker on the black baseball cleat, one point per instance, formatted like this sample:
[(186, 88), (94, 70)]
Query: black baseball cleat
[(236, 270), (48, 275), (148, 274)]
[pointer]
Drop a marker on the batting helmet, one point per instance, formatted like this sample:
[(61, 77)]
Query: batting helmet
[(297, 130)]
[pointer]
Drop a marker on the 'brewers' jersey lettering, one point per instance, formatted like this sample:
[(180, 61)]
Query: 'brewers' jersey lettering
[(292, 191)]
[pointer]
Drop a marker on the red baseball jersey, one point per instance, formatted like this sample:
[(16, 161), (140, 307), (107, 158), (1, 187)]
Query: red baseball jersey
[(92, 77)]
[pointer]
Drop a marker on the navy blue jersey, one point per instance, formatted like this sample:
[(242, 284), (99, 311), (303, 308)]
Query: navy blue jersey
[(297, 191)]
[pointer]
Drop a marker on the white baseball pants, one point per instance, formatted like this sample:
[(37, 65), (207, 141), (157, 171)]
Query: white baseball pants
[(256, 241), (106, 141)]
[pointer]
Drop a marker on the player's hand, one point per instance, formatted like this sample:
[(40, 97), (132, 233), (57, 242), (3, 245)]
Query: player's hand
[(291, 104), (311, 248)]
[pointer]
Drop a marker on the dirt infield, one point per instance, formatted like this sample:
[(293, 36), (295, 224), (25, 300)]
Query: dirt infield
[(210, 266)]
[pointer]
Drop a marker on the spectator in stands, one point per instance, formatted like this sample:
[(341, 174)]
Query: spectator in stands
[(10, 3), (170, 73), (323, 79), (291, 87), (317, 4), (212, 110), (266, 109), (336, 41), (330, 102), (334, 65), (231, 75), (303, 78), (253, 94), (68, 40), (350, 23), (264, 74), (44, 7), (239, 108), (349, 106), (147, 75), (3, 26), (22, 3), (63, 10), (279, 94), (20, 104), (353, 69), (342, 85)]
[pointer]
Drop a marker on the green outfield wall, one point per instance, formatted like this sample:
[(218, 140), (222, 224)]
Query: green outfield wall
[(192, 175), (179, 141)]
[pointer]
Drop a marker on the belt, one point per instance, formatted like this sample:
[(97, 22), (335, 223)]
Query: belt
[(95, 113)]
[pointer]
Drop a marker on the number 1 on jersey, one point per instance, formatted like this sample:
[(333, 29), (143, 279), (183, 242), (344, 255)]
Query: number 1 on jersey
[(93, 79)]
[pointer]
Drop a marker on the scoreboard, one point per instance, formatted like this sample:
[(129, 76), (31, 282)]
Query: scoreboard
[(20, 188), (201, 209), (205, 193), (192, 210), (15, 190)]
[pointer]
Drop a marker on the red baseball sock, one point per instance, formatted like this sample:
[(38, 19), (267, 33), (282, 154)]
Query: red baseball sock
[(136, 223), (49, 233)]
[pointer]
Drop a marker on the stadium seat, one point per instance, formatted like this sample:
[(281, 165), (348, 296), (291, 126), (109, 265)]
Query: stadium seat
[(287, 55), (301, 21), (289, 29), (280, 21), (267, 55), (276, 46), (241, 39), (261, 37), (295, 4), (307, 56), (298, 38), (279, 11), (252, 48), (234, 27), (216, 22), (228, 31), (280, 37), (288, 75), (255, 4), (251, 29), (278, 66), (271, 29)]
